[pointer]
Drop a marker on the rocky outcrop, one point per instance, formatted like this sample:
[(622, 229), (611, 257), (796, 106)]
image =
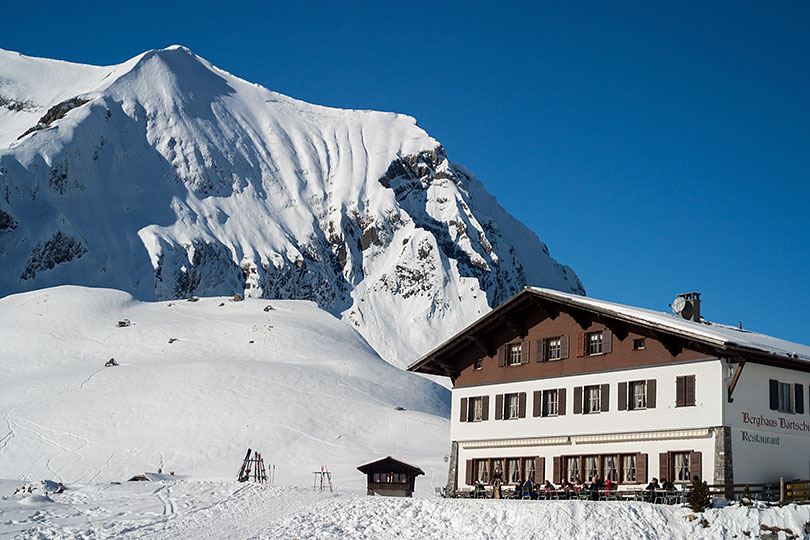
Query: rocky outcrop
[(55, 113), (7, 223), (58, 249)]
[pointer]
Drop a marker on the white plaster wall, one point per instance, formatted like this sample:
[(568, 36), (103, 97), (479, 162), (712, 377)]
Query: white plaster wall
[(707, 412), (705, 445), (775, 455), (757, 462)]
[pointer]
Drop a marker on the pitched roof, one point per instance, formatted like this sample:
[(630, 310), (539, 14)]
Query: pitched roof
[(722, 338), (365, 466)]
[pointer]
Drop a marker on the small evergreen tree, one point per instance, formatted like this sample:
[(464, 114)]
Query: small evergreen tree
[(699, 498), (747, 499)]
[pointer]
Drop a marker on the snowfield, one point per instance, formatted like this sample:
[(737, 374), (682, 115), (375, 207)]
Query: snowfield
[(197, 509), (198, 383)]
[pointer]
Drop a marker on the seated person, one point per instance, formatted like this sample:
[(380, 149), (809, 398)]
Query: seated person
[(667, 485), (595, 487), (528, 489), (650, 489)]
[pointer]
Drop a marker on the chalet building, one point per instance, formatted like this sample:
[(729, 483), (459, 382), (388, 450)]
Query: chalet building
[(556, 386), (390, 477)]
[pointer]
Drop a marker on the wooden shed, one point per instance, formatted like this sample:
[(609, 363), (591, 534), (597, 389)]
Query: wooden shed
[(390, 477)]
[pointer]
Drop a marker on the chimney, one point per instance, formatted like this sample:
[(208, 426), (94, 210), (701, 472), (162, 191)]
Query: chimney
[(691, 309)]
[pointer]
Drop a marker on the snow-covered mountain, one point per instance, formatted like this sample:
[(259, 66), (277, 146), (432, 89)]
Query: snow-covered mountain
[(196, 385), (167, 177)]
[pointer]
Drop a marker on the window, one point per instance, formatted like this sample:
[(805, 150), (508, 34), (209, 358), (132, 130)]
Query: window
[(639, 344), (553, 348), (514, 354), (572, 469), (685, 391), (593, 343), (550, 402), (591, 467), (512, 409), (512, 475), (610, 468), (477, 409), (629, 468), (787, 397), (528, 469), (638, 395), (784, 398), (680, 464), (617, 467), (479, 364), (482, 471), (592, 401)]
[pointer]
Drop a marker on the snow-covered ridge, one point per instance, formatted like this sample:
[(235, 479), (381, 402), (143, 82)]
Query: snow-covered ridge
[(198, 383), (165, 176)]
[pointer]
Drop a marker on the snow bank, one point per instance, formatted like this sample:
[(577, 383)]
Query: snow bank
[(228, 510)]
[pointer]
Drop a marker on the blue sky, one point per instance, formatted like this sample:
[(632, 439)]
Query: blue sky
[(656, 148)]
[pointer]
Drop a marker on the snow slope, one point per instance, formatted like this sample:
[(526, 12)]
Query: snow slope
[(166, 176), (198, 383), (218, 510)]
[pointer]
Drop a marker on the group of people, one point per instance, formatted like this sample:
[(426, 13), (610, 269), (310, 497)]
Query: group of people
[(531, 490), (566, 490), (594, 490)]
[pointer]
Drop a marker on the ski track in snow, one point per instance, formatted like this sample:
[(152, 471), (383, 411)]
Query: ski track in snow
[(4, 442), (87, 380)]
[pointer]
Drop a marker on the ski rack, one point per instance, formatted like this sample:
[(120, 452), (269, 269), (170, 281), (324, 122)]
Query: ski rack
[(255, 465), (319, 476)]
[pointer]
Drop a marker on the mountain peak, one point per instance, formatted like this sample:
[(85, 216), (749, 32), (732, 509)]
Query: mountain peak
[(200, 183)]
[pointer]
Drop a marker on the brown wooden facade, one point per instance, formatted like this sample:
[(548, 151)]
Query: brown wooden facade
[(390, 477)]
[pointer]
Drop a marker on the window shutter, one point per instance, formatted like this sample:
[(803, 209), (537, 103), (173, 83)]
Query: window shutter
[(604, 398), (557, 472), (499, 407), (641, 468), (522, 405), (651, 391), (690, 390), (463, 416), (580, 345), (561, 401), (539, 351), (485, 408), (502, 356), (695, 465), (799, 390), (663, 466), (537, 403), (539, 469), (525, 350), (563, 347), (469, 479), (774, 391), (680, 391), (577, 400), (607, 341), (622, 396)]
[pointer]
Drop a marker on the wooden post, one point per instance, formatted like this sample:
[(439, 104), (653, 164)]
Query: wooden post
[(782, 494)]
